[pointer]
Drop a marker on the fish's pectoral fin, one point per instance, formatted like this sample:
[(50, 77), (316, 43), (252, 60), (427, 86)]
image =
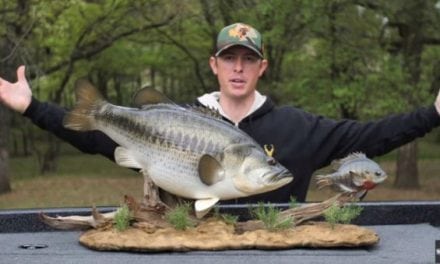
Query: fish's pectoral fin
[(352, 174), (124, 158), (202, 207), (345, 189), (210, 170), (357, 179), (149, 95)]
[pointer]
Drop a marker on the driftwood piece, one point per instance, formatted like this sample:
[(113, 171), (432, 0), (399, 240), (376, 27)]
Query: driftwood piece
[(154, 217), (152, 194), (147, 216), (141, 215), (75, 222), (300, 214), (311, 211)]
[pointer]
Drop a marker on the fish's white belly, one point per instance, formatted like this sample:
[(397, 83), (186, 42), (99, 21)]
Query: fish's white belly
[(176, 171)]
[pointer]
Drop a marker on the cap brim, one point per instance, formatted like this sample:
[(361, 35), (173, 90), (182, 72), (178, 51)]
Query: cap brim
[(238, 44)]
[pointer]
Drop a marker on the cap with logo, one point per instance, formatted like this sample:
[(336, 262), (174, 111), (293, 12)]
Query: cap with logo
[(239, 34)]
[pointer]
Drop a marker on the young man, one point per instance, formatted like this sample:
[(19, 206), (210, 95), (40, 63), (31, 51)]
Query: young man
[(300, 141)]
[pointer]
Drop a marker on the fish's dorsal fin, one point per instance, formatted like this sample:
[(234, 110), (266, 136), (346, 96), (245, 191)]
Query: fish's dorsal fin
[(203, 206), (335, 165), (206, 110), (149, 95), (210, 170), (124, 158)]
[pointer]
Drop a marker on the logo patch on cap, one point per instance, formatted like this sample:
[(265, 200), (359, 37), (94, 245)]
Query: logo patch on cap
[(239, 34), (242, 32)]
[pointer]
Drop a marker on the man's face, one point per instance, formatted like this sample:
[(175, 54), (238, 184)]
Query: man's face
[(238, 70)]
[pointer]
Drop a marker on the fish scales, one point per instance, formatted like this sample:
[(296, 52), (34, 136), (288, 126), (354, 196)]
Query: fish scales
[(176, 134), (183, 151), (157, 144)]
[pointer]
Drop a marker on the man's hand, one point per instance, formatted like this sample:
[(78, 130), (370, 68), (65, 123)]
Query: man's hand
[(17, 96), (437, 102)]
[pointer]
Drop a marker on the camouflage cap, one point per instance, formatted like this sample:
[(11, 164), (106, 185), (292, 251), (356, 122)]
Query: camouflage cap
[(239, 34)]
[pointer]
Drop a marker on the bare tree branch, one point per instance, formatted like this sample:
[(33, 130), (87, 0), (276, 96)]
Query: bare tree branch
[(190, 55), (92, 49), (18, 42), (6, 11), (64, 81), (431, 41)]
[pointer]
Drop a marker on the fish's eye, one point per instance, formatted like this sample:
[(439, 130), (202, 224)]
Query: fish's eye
[(378, 173), (271, 161)]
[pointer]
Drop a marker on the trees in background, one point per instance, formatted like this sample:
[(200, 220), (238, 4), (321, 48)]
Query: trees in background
[(55, 39), (355, 59)]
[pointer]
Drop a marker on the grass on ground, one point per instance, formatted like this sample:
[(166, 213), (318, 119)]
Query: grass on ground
[(81, 181)]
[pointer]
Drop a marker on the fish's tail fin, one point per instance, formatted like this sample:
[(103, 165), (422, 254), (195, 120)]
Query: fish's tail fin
[(323, 180), (88, 101)]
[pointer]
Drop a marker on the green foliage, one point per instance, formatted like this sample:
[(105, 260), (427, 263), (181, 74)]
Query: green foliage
[(293, 203), (270, 216), (227, 218), (122, 218), (331, 57), (345, 214), (230, 219), (338, 64), (179, 217), (324, 55)]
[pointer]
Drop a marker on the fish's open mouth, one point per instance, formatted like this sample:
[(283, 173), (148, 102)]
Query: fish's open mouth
[(368, 185), (283, 175)]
